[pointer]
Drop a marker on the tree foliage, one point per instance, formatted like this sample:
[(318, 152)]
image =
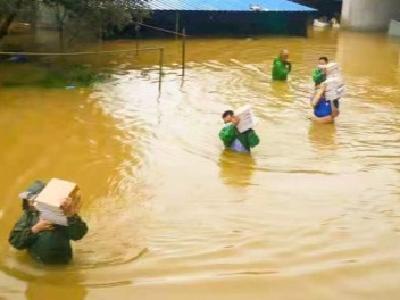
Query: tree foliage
[(9, 10), (106, 13), (8, 7), (100, 16)]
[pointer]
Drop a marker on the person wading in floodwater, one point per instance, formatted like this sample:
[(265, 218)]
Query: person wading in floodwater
[(319, 75), (46, 243), (328, 85), (282, 66), (233, 139), (323, 112)]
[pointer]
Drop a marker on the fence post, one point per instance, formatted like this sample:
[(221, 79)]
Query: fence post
[(176, 25), (137, 29), (183, 51), (161, 68)]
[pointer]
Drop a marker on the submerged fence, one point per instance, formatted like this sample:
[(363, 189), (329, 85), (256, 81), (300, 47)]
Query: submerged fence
[(137, 50), (83, 53), (176, 33)]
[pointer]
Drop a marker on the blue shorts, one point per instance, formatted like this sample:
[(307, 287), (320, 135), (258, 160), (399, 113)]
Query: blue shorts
[(323, 109)]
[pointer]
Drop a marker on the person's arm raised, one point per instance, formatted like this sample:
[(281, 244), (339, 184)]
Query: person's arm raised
[(318, 95), (280, 70), (76, 227)]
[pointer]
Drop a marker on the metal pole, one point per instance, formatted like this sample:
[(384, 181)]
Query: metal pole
[(161, 68), (183, 51), (137, 29), (176, 25)]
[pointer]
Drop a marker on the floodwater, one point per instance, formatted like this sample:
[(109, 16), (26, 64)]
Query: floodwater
[(314, 213)]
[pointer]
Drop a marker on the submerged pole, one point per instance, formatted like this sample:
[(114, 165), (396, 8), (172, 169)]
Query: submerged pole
[(137, 47), (176, 24), (137, 37), (183, 51), (161, 68)]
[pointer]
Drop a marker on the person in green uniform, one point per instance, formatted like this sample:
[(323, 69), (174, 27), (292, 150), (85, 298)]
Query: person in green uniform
[(47, 243), (282, 66), (233, 139)]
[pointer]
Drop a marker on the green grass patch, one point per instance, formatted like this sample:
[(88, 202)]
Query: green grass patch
[(60, 76)]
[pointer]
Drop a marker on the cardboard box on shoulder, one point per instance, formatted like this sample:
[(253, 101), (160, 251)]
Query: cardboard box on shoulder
[(335, 94), (334, 82), (332, 69), (247, 118), (49, 202)]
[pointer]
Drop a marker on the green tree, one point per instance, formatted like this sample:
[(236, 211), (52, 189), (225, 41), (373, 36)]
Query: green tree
[(9, 10), (103, 16)]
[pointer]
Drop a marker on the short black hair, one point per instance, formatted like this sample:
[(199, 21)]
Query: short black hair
[(324, 58), (228, 113)]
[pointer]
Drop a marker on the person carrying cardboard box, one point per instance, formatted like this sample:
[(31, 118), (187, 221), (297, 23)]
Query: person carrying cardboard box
[(48, 242), (329, 88), (329, 74), (237, 133)]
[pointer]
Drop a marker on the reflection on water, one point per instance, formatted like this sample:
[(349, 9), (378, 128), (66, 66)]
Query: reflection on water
[(52, 285), (322, 137), (236, 169), (315, 208)]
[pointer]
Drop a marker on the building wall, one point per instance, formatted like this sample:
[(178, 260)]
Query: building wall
[(328, 8), (232, 23), (369, 15), (394, 29)]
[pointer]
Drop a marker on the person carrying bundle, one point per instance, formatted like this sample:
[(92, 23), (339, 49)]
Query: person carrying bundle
[(237, 134), (328, 91), (48, 240), (320, 75)]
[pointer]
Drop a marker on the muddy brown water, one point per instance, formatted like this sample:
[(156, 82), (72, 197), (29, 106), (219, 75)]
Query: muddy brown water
[(314, 213)]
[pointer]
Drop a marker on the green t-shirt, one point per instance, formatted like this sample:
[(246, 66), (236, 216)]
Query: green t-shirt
[(318, 76), (281, 70), (230, 133), (48, 247)]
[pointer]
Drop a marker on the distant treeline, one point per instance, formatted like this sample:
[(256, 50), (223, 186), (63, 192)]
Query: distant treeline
[(73, 19)]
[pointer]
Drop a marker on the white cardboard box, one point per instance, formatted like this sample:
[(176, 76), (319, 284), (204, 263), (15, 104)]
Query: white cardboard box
[(50, 199), (334, 82), (247, 118)]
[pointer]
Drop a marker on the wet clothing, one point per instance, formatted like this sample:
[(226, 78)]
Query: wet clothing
[(237, 146), (236, 141), (323, 108), (281, 69), (47, 247), (318, 76)]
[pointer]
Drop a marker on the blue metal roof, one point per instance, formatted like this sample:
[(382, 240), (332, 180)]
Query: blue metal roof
[(228, 5)]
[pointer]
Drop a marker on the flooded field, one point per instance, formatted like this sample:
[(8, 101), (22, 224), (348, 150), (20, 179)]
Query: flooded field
[(314, 213)]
